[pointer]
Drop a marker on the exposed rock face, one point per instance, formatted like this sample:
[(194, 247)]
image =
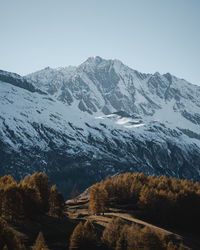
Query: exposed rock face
[(18, 81), (82, 123)]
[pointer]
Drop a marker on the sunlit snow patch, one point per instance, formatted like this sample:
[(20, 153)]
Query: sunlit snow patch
[(123, 120), (126, 122), (105, 116), (134, 126)]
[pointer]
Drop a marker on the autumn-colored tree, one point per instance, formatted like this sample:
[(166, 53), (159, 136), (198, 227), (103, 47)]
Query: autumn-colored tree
[(56, 202), (135, 190), (151, 240), (164, 200), (6, 180), (31, 200), (90, 235), (109, 187), (40, 182), (120, 236), (30, 197), (12, 203), (26, 180), (133, 237), (111, 233), (40, 243), (144, 238), (93, 204), (122, 242), (102, 199), (84, 237), (171, 246), (98, 199), (77, 237)]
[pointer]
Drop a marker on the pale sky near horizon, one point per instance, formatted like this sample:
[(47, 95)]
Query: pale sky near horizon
[(147, 35)]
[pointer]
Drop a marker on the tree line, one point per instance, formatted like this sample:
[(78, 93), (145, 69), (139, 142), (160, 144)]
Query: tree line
[(118, 235), (168, 201), (30, 198)]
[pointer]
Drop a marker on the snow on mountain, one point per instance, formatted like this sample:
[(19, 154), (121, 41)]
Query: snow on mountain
[(18, 81), (51, 80), (96, 119), (107, 86)]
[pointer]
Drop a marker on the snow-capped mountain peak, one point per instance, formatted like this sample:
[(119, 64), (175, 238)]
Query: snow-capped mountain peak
[(100, 117), (105, 86)]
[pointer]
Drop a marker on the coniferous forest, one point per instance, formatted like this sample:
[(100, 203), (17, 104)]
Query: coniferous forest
[(163, 200), (127, 211)]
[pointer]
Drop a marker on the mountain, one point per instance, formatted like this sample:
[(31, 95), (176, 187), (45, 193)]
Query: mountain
[(80, 124), (18, 81)]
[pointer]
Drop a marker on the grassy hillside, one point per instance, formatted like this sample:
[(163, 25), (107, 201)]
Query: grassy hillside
[(128, 211)]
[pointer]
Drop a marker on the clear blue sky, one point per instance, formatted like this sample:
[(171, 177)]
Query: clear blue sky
[(147, 35)]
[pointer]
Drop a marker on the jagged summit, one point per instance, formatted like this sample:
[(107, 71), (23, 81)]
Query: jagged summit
[(98, 60), (94, 59), (100, 85)]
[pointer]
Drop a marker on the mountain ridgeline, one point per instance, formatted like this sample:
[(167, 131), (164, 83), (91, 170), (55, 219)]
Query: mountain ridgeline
[(80, 124)]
